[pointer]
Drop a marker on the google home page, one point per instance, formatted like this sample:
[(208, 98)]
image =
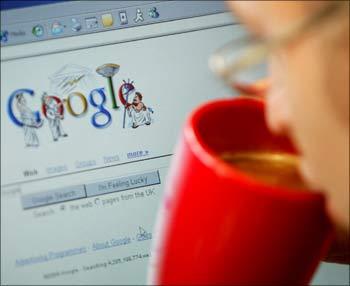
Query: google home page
[(88, 127)]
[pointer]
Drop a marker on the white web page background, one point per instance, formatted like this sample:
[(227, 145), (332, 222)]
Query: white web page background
[(171, 72)]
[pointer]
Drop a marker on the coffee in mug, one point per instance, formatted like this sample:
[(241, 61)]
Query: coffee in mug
[(276, 169)]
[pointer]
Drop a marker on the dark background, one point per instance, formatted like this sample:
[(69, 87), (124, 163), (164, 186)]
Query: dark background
[(12, 4)]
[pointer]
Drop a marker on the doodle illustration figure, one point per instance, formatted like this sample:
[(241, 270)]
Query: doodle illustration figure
[(138, 111), (53, 110), (108, 71), (30, 122), (70, 77), (143, 234)]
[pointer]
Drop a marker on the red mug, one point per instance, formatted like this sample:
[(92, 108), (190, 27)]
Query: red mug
[(221, 226)]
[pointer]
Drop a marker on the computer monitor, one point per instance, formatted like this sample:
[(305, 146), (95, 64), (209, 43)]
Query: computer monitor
[(93, 98)]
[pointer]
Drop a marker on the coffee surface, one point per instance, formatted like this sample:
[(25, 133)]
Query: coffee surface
[(277, 169)]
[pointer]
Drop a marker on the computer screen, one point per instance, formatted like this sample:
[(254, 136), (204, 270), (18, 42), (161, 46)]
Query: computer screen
[(93, 98)]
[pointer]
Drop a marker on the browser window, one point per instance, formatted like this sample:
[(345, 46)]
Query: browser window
[(93, 99)]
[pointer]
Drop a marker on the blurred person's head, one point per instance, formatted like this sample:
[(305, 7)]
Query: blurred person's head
[(309, 94)]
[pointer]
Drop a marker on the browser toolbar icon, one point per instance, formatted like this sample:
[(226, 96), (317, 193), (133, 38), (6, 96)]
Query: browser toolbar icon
[(91, 23), (153, 13), (38, 31), (107, 20), (139, 16), (76, 25), (57, 28), (4, 36), (123, 17)]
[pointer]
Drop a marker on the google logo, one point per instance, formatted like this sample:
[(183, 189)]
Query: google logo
[(97, 98)]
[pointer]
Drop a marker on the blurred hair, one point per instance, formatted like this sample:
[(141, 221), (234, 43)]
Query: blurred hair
[(339, 24), (139, 95)]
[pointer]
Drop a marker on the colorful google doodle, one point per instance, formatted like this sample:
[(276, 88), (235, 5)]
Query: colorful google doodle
[(67, 98), (136, 110)]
